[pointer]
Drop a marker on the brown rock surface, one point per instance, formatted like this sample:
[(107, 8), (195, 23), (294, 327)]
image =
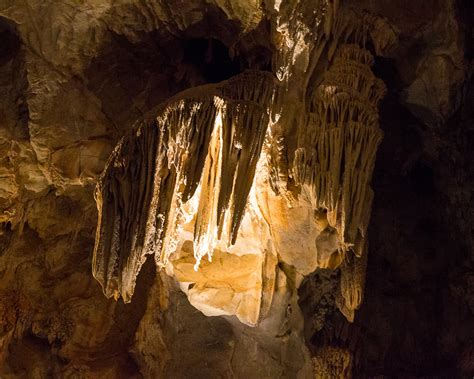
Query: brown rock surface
[(76, 76)]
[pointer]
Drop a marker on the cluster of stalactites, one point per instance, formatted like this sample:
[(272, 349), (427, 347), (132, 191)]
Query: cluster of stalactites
[(336, 152), (205, 141)]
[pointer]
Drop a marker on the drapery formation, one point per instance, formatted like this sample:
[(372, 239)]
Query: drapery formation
[(337, 147), (337, 144), (210, 138), (200, 150)]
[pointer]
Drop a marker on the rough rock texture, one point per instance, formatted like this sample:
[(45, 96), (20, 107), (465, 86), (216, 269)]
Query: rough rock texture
[(76, 76)]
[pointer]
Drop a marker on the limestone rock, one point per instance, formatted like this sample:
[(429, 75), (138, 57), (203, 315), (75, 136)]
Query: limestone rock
[(297, 292)]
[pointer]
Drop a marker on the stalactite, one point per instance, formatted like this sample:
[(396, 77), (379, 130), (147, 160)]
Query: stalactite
[(338, 145), (353, 280), (336, 149), (197, 157), (123, 194), (208, 138)]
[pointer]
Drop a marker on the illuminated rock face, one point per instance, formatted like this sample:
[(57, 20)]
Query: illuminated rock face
[(195, 179)]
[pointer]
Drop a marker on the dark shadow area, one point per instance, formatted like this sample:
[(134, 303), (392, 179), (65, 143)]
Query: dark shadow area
[(210, 57), (10, 42), (417, 317), (14, 111), (422, 179)]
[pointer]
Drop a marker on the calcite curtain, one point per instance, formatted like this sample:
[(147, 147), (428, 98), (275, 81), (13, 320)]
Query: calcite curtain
[(200, 150)]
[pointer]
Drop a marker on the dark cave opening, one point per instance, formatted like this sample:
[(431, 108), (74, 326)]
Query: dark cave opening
[(212, 58), (10, 42)]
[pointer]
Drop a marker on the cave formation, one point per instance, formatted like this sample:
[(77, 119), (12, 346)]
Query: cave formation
[(255, 190)]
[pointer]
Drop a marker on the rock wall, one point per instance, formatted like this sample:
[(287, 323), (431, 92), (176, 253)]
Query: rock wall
[(75, 77)]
